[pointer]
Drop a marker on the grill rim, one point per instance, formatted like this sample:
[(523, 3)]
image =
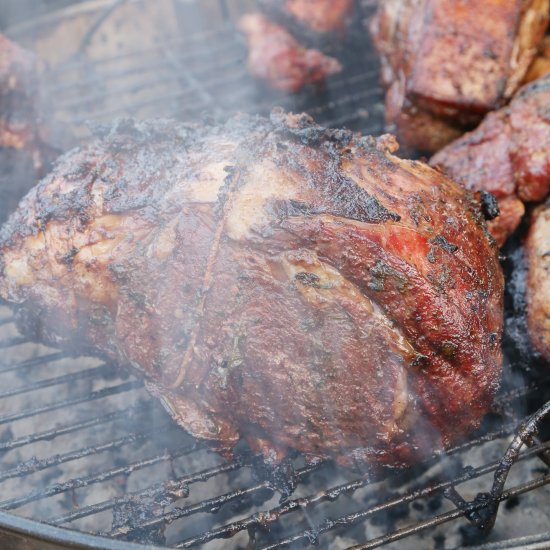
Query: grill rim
[(20, 530)]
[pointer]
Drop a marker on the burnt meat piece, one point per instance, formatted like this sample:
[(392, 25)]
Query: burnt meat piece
[(538, 280), (276, 57), (507, 155), (319, 16), (447, 62), (271, 280), (24, 154)]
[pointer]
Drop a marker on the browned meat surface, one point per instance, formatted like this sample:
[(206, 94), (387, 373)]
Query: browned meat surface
[(507, 155), (295, 286), (538, 280), (541, 64), (416, 128), (24, 154), (320, 16), (276, 57), (453, 60)]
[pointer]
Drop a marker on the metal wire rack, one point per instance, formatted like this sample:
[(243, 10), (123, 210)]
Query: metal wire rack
[(83, 446), (92, 464)]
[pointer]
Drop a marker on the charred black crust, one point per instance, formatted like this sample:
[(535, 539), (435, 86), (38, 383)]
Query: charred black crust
[(489, 205), (443, 243)]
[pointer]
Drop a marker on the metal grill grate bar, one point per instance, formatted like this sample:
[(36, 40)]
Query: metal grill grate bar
[(12, 342), (261, 520), (66, 378), (449, 516), (206, 36), (35, 361), (86, 481), (64, 430), (35, 465), (99, 394), (350, 519), (170, 490), (214, 503)]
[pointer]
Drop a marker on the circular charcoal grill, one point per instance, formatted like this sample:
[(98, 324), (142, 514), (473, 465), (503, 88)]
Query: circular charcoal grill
[(84, 449)]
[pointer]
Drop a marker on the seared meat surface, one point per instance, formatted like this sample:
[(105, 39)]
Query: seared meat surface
[(271, 280), (450, 62), (538, 280), (24, 154), (319, 16), (507, 155), (276, 57)]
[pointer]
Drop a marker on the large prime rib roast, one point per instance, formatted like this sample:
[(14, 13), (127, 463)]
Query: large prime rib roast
[(272, 280)]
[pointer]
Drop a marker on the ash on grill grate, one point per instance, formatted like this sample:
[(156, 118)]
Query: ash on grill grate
[(84, 447)]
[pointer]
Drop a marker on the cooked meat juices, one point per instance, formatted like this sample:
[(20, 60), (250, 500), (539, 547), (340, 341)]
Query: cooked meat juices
[(507, 155), (537, 288), (271, 280), (449, 62), (276, 57)]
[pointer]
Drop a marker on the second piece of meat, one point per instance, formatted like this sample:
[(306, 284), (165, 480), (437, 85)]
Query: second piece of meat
[(507, 155), (448, 62), (277, 58)]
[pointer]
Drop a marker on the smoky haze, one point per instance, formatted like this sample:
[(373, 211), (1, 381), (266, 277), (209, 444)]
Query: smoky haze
[(12, 13)]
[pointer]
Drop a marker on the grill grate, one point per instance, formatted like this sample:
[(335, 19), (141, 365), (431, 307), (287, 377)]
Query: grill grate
[(82, 446), (122, 454)]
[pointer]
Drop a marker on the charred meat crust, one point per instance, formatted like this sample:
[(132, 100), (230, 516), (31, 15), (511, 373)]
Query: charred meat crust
[(272, 280)]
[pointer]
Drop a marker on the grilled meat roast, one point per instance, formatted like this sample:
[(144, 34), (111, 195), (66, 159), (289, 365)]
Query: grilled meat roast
[(271, 280), (537, 288), (507, 155), (448, 62), (277, 58), (25, 154)]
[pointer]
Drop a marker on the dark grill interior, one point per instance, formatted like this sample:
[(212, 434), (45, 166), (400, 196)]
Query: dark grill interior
[(83, 446)]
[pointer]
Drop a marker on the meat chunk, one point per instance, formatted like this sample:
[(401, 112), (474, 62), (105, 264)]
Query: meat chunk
[(507, 155), (271, 280), (319, 16), (276, 57), (18, 89), (453, 61), (538, 280), (24, 154)]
